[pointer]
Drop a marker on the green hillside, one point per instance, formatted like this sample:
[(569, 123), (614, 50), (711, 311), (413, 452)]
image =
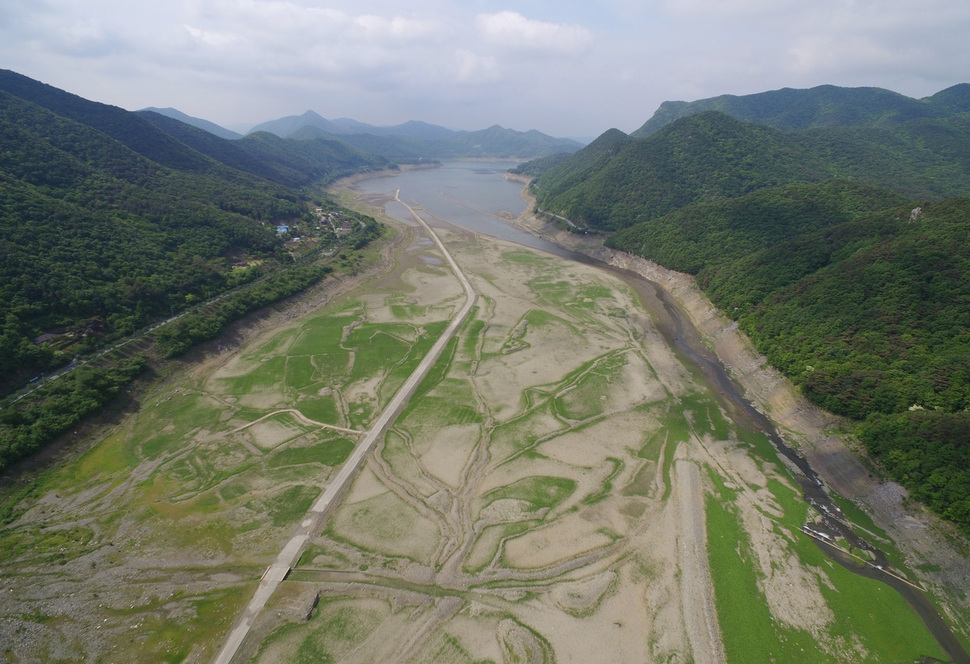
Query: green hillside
[(562, 172), (872, 319), (709, 156), (96, 237), (840, 247), (704, 157), (705, 235), (109, 224)]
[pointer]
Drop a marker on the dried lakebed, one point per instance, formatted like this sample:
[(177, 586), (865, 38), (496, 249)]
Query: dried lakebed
[(564, 486)]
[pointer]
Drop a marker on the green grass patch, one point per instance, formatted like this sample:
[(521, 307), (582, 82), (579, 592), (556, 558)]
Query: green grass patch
[(438, 373), (759, 443), (426, 416), (402, 310), (749, 633), (360, 413), (299, 371), (291, 504), (336, 628), (230, 492), (330, 453), (268, 376), (676, 425), (109, 457), (471, 335), (879, 617), (162, 428), (403, 369), (331, 368), (376, 351), (705, 416), (540, 490), (867, 612), (587, 296), (676, 435), (584, 400), (207, 620), (320, 409), (514, 436), (320, 336), (524, 257), (278, 344), (642, 482), (51, 545)]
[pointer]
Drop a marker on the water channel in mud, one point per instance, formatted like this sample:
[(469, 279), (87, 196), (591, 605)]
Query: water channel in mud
[(474, 196)]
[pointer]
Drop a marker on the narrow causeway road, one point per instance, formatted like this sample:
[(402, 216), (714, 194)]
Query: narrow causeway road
[(314, 519)]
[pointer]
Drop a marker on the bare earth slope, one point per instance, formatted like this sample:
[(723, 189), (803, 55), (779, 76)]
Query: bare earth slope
[(562, 487), (940, 554)]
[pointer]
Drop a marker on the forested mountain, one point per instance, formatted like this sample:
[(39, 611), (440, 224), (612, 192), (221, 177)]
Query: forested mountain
[(419, 140), (563, 171), (710, 156), (871, 318), (704, 157), (108, 222), (290, 162), (860, 297), (834, 228), (822, 106), (111, 220), (704, 235)]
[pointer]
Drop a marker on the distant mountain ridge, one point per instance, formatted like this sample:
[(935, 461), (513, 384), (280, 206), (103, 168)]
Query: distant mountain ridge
[(289, 162), (821, 106), (420, 140), (210, 127)]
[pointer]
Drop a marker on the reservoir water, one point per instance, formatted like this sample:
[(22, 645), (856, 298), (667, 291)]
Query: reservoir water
[(476, 196)]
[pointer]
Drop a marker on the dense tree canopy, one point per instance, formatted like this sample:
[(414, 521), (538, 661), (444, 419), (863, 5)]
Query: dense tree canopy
[(841, 249), (109, 222)]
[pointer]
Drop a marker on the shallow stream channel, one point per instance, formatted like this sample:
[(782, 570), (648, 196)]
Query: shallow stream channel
[(474, 196)]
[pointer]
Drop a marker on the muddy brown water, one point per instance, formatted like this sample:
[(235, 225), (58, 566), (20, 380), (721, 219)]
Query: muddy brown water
[(676, 328)]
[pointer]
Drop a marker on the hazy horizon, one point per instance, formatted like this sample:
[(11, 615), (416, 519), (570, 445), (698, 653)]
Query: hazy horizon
[(569, 69)]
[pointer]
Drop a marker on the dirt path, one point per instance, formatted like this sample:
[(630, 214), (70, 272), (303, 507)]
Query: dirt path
[(543, 498), (338, 485), (932, 547)]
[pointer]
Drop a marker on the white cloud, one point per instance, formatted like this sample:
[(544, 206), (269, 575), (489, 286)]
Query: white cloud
[(211, 38), (467, 67), (399, 28), (514, 31), (749, 9), (465, 64)]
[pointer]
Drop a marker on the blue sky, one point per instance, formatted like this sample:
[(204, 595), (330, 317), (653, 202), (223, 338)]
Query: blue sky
[(566, 68)]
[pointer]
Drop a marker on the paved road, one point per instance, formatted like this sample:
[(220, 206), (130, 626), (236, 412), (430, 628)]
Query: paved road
[(313, 520)]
